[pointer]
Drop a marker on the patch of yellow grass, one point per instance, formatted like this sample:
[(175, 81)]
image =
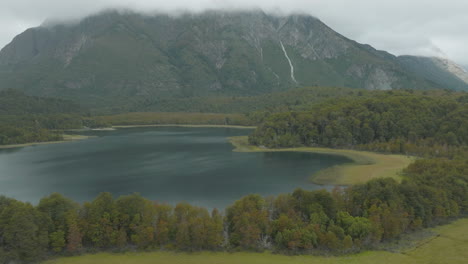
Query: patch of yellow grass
[(364, 166), (450, 247)]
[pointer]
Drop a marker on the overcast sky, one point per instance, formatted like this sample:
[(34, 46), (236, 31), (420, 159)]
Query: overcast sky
[(417, 27)]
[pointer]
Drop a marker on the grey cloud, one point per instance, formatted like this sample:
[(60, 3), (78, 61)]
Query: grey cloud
[(418, 27)]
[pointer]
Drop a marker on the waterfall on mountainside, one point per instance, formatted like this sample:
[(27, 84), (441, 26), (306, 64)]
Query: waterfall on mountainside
[(289, 60)]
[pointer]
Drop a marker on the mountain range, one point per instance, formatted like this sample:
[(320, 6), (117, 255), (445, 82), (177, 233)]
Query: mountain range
[(125, 58)]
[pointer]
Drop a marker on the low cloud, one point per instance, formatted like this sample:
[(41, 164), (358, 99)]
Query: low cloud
[(417, 27)]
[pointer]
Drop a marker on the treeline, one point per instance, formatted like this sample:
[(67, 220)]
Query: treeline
[(17, 135), (15, 102), (152, 118), (18, 129), (355, 218), (25, 119), (257, 108), (303, 116), (393, 121), (297, 98), (344, 220)]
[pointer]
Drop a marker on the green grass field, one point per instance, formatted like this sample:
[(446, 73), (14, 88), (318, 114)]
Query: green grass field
[(449, 246), (365, 166)]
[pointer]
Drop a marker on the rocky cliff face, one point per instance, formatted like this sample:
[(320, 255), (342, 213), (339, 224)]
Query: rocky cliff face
[(114, 57), (453, 68), (441, 71)]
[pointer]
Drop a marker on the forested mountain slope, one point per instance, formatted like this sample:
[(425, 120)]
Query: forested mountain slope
[(116, 59), (14, 102)]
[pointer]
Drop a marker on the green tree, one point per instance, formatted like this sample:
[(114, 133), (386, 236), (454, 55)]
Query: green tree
[(101, 220), (24, 232), (74, 235), (57, 241), (248, 223)]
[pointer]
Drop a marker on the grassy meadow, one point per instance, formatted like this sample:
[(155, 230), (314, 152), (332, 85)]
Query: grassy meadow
[(365, 166), (448, 246)]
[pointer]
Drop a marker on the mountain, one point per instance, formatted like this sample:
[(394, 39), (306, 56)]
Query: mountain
[(442, 71), (456, 69), (122, 58)]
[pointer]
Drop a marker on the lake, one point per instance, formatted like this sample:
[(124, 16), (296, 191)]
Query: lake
[(165, 164)]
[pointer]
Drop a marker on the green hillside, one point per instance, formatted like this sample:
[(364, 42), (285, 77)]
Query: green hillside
[(116, 59), (14, 102)]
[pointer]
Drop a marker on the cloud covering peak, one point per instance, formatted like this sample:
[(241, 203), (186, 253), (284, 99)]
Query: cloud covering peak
[(417, 27)]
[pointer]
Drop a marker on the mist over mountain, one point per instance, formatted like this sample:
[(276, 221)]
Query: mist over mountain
[(439, 70), (114, 58)]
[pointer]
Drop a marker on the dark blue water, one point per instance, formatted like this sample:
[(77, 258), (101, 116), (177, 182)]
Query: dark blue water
[(167, 164)]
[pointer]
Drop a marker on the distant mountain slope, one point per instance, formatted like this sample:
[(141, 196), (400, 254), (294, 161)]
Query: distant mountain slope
[(114, 58), (441, 71), (458, 70), (296, 98)]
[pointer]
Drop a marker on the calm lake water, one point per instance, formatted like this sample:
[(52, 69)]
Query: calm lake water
[(166, 164)]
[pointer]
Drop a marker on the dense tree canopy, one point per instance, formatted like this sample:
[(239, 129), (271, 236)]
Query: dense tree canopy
[(15, 102), (25, 119), (395, 121), (434, 191)]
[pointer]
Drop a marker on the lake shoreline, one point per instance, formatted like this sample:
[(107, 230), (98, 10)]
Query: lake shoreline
[(70, 138), (365, 165), (67, 138), (148, 161), (185, 125)]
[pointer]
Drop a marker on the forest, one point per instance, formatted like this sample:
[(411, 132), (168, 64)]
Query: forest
[(345, 220), (434, 190), (174, 118), (392, 122), (25, 119)]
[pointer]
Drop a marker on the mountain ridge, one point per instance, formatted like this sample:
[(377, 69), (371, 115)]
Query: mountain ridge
[(439, 70), (113, 58)]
